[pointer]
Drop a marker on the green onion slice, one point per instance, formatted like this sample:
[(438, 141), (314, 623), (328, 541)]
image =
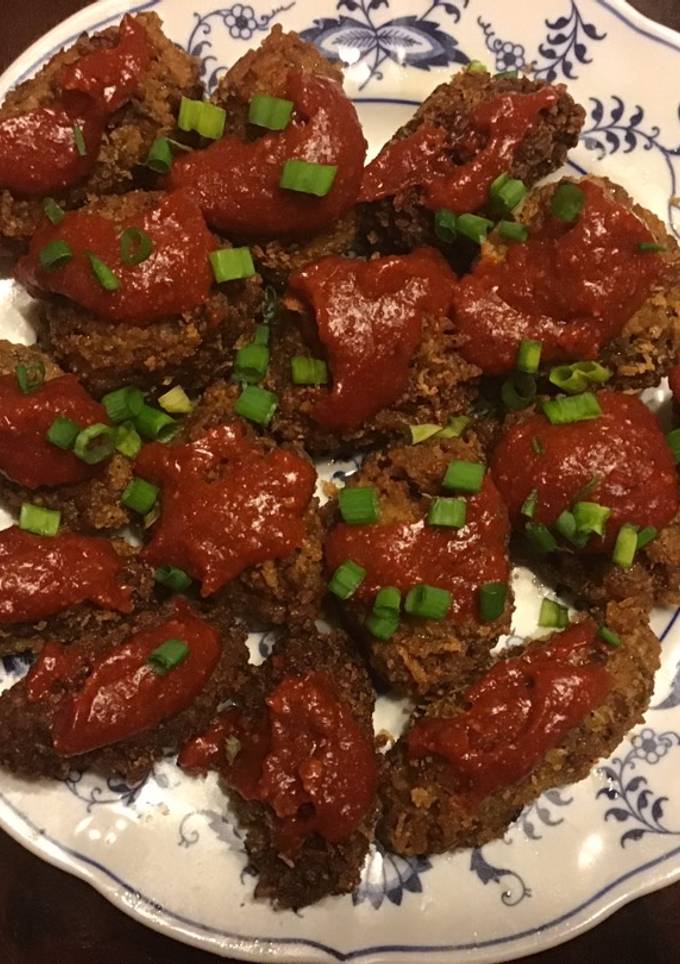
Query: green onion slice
[(567, 202), (154, 425), (540, 537), (160, 156), (95, 443), (203, 117), (270, 112), (651, 247), (590, 517), (553, 615), (135, 246), (230, 264), (172, 578), (455, 426), (308, 178), (518, 391), (140, 495), (645, 536), (473, 226), (445, 225), (383, 621), (477, 67), (127, 440), (63, 432), (420, 433), (55, 255), (453, 429), (529, 504), (513, 231), (609, 636), (673, 439), (262, 333), (447, 512), (578, 408), (529, 356), (53, 211), (79, 140), (38, 520), (104, 275), (565, 525), (123, 404), (168, 656), (625, 546), (428, 602), (464, 476), (359, 505), (346, 579), (176, 401), (251, 363), (308, 371), (30, 377), (576, 378), (492, 597), (506, 193), (256, 404)]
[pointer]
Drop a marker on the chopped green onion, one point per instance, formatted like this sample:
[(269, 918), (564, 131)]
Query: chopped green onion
[(230, 264), (474, 227), (251, 363), (176, 401), (203, 117), (124, 403), (420, 433), (447, 512), (455, 427), (553, 615), (154, 425), (30, 377), (529, 356), (135, 246), (270, 112), (160, 156), (492, 597), (308, 178), (590, 517), (567, 202), (140, 495), (518, 391), (565, 524), (53, 211), (507, 73), (63, 432), (609, 636), (445, 225), (529, 504), (127, 440), (506, 193), (388, 600), (232, 748), (168, 656), (346, 579), (256, 404), (383, 621), (477, 67), (537, 445), (645, 536), (578, 408), (359, 505), (625, 546), (428, 602), (95, 443), (55, 255), (79, 140), (152, 516), (540, 537), (262, 333), (513, 231), (172, 578), (651, 247), (673, 439), (39, 521), (575, 378), (104, 275), (464, 476), (308, 371)]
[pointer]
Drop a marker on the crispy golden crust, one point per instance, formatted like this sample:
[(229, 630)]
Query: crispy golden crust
[(401, 223), (423, 656), (26, 747), (85, 620), (193, 348), (320, 867), (130, 132), (421, 816)]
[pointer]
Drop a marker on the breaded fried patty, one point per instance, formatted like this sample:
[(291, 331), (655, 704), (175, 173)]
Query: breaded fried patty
[(423, 810)]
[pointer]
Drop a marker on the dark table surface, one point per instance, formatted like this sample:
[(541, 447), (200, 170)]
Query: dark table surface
[(49, 917)]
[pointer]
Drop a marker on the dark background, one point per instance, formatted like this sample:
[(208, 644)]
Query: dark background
[(48, 917)]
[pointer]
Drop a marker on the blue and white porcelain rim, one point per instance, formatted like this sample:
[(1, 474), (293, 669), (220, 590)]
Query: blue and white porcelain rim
[(147, 911)]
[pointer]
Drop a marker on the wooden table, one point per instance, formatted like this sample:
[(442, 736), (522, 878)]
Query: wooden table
[(49, 917)]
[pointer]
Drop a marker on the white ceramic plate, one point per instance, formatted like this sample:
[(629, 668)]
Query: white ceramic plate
[(165, 851)]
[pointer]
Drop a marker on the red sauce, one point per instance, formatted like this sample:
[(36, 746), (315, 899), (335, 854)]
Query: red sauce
[(42, 576), (26, 456), (227, 505), (111, 76), (310, 761), (369, 317), (495, 129), (237, 182), (620, 460), (176, 277), (520, 710), (405, 554), (571, 286), (57, 668), (122, 696), (674, 382)]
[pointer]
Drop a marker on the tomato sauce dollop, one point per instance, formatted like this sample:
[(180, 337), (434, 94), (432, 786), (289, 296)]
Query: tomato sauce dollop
[(518, 712), (26, 455), (494, 131), (369, 318), (620, 460), (122, 695), (405, 554), (38, 148), (237, 182), (226, 504), (41, 576), (571, 286), (309, 760), (176, 277)]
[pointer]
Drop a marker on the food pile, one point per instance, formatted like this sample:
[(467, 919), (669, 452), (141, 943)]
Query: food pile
[(224, 290)]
